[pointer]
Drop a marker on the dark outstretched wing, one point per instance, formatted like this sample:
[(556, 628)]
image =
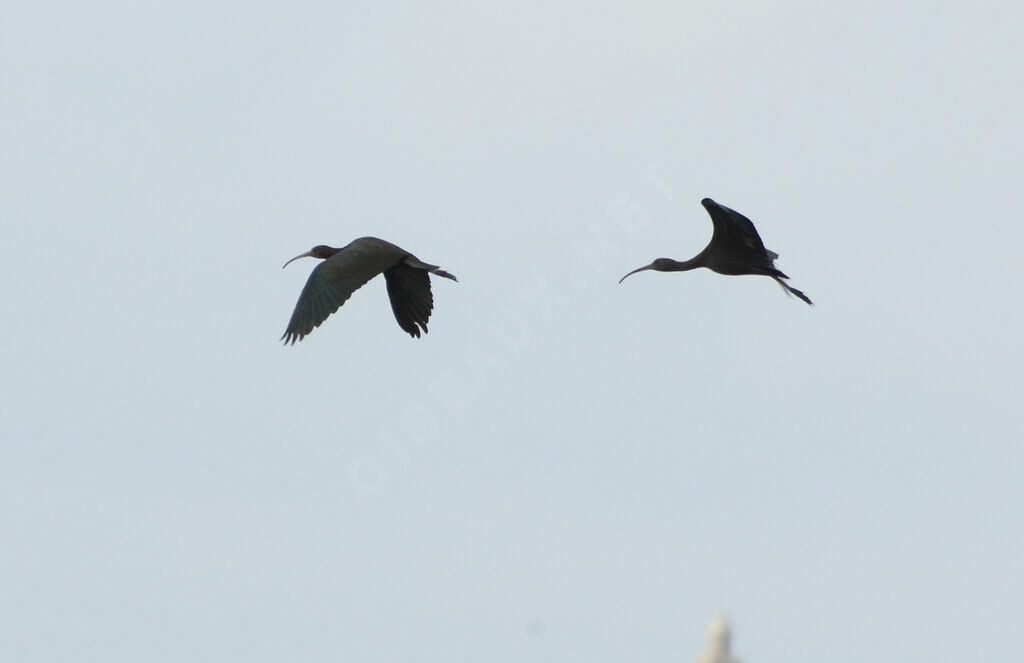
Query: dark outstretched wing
[(734, 231), (736, 248), (411, 299), (329, 286)]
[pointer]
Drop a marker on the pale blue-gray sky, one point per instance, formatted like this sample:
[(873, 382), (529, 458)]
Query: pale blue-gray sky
[(564, 468)]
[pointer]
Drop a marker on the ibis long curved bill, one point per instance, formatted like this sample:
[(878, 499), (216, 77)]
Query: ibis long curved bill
[(307, 254), (639, 269)]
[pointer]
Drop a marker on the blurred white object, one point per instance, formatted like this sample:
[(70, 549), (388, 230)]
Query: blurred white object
[(719, 643)]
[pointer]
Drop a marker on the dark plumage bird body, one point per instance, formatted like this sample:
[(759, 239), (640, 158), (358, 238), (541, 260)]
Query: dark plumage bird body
[(345, 270), (735, 249)]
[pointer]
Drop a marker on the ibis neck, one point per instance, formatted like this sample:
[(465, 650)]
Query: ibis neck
[(684, 265)]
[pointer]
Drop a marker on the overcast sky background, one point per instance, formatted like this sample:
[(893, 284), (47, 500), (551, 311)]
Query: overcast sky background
[(564, 468)]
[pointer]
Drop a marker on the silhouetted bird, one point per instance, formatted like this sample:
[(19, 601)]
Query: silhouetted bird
[(735, 248), (345, 270)]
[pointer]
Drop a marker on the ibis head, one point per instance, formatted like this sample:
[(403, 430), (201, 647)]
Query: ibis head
[(320, 251)]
